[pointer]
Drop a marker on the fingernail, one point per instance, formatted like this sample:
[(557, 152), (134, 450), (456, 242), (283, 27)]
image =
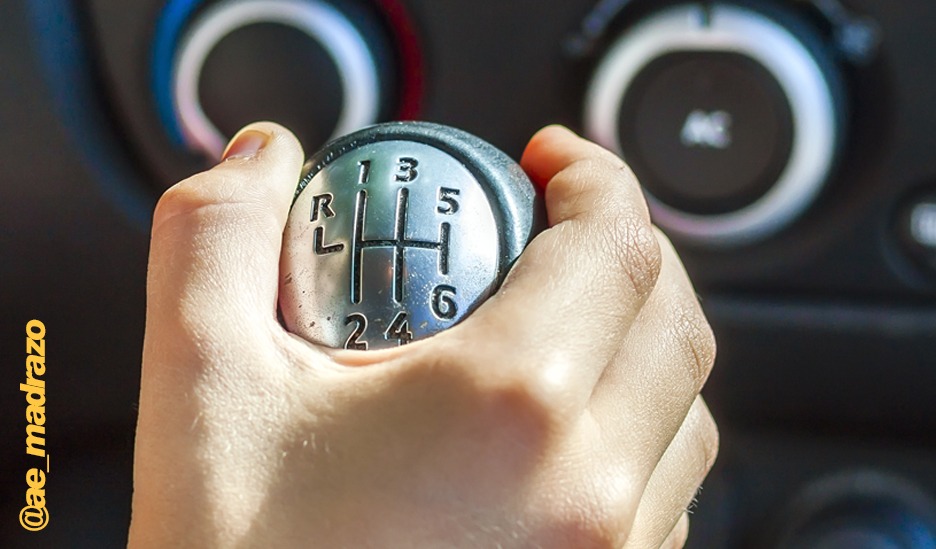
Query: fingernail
[(245, 144)]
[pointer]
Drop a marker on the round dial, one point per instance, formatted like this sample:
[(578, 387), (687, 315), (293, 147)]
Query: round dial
[(730, 117), (303, 63)]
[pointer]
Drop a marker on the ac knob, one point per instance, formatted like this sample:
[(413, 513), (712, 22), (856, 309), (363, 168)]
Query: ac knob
[(731, 117)]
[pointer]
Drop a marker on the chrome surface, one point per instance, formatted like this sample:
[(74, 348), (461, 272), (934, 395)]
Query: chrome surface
[(390, 242)]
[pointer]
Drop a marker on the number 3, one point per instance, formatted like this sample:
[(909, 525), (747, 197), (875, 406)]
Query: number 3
[(406, 169)]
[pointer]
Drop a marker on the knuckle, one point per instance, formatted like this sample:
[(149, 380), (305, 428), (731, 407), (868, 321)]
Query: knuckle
[(591, 535), (217, 191), (696, 340), (513, 403), (635, 250), (604, 188), (183, 198), (528, 404), (593, 520), (707, 439), (525, 402)]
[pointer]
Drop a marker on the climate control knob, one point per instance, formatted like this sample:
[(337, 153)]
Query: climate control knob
[(731, 118), (320, 70)]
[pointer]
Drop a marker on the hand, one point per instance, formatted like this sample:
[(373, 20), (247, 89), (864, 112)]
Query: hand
[(564, 412)]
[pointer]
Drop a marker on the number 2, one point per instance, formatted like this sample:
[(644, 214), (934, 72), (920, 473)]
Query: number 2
[(354, 341)]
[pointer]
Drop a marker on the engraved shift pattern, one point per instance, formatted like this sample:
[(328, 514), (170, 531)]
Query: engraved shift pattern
[(390, 242), (399, 243)]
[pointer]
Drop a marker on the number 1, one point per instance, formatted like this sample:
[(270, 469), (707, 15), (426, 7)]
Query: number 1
[(364, 172)]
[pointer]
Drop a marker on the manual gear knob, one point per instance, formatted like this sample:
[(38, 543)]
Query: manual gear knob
[(398, 231)]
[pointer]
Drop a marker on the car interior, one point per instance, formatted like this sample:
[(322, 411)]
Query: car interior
[(786, 147)]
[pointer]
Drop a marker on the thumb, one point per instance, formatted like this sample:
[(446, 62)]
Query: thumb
[(216, 237)]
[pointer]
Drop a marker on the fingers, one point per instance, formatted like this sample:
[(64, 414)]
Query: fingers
[(667, 356), (661, 516), (564, 308), (216, 236), (600, 185)]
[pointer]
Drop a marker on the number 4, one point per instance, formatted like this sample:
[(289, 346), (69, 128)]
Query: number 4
[(399, 329)]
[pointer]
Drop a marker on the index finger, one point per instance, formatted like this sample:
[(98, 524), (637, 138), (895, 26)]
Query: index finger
[(569, 300)]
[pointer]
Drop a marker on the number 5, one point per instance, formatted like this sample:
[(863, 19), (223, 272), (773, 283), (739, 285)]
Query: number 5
[(447, 197)]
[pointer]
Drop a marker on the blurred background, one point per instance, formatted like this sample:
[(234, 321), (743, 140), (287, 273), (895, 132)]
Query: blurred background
[(786, 146)]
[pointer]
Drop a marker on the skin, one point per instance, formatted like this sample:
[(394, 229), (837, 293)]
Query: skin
[(564, 412)]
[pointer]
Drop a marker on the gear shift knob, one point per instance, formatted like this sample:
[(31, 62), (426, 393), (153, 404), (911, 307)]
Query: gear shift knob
[(398, 231)]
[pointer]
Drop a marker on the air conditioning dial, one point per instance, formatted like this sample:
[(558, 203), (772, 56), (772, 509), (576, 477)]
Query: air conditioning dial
[(321, 70), (732, 118)]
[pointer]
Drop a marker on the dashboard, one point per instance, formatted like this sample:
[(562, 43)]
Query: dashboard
[(786, 147)]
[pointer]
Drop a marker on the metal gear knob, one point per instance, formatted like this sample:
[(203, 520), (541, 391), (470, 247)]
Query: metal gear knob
[(398, 231)]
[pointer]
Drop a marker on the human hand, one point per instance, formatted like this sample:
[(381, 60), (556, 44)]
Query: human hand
[(564, 412)]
